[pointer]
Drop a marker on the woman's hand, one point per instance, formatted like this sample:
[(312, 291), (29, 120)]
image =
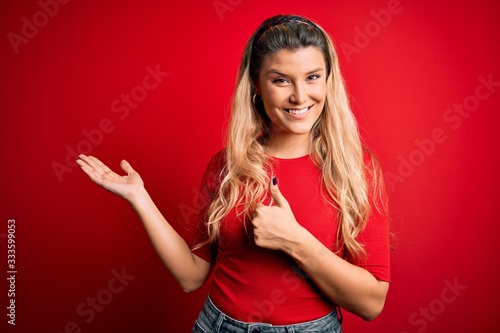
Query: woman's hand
[(275, 227), (127, 186), (189, 270)]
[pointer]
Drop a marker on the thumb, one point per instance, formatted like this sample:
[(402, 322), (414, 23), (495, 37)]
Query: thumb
[(126, 167), (278, 198)]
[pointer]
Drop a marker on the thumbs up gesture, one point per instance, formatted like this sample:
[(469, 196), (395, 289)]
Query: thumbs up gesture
[(274, 226)]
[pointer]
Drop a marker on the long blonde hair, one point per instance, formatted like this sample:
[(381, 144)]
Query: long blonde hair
[(336, 145)]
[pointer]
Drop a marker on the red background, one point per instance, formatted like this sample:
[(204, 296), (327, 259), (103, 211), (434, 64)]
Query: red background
[(403, 77)]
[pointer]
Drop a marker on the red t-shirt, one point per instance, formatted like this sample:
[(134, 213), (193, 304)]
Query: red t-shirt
[(254, 284)]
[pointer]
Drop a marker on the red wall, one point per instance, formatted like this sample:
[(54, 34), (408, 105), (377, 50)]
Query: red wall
[(424, 79)]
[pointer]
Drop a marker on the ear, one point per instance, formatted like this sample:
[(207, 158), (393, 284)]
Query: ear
[(256, 92), (256, 87)]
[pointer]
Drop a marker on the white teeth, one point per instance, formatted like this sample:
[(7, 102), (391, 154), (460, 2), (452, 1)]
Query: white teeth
[(298, 112)]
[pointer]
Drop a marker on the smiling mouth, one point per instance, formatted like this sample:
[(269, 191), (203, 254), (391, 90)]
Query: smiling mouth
[(298, 111)]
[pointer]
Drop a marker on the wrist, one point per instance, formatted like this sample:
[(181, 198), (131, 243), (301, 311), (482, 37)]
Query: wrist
[(296, 241), (138, 196)]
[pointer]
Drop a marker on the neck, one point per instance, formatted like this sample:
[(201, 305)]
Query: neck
[(287, 145)]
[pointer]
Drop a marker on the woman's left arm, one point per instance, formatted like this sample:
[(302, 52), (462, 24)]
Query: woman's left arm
[(349, 286)]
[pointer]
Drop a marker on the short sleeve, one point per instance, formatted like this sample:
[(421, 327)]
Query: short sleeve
[(375, 237), (208, 190)]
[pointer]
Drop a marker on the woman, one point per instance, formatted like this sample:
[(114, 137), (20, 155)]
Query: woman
[(286, 257)]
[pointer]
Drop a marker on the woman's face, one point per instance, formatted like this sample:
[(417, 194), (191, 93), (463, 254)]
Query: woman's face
[(293, 89)]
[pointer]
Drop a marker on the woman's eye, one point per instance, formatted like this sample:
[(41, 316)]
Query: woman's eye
[(313, 77), (280, 81)]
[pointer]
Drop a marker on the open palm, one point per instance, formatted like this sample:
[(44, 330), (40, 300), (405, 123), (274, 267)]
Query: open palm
[(123, 186)]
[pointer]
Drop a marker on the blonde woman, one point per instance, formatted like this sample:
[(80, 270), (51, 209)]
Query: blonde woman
[(292, 212)]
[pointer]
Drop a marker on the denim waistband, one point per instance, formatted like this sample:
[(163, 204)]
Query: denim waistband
[(211, 319)]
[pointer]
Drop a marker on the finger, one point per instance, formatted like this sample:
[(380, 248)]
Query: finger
[(81, 163), (85, 159), (256, 210), (99, 164), (92, 162), (95, 169), (82, 160), (276, 195), (100, 170), (92, 174), (126, 167)]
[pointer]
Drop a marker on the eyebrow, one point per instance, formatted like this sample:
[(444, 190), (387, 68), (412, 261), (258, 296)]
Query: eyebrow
[(274, 71)]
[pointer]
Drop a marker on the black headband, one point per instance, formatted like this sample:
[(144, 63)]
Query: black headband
[(280, 20)]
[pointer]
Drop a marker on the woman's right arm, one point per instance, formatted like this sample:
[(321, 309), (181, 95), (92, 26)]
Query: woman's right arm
[(189, 270)]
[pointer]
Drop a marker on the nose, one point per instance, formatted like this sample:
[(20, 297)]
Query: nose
[(299, 94)]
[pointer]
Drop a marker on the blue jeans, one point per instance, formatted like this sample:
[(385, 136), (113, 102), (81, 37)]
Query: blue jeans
[(212, 320)]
